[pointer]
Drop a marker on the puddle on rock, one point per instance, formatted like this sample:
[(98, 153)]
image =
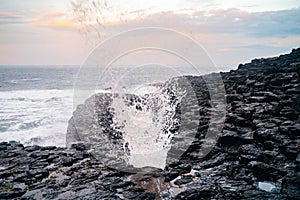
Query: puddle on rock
[(266, 186)]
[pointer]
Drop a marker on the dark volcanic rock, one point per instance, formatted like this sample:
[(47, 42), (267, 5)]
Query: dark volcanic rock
[(259, 143)]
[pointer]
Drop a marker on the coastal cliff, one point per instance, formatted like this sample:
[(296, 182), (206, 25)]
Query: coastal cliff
[(257, 155)]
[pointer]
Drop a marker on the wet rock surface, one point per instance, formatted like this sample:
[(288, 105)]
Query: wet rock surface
[(259, 145)]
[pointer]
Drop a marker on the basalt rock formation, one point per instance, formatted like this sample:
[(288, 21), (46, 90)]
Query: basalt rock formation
[(257, 155)]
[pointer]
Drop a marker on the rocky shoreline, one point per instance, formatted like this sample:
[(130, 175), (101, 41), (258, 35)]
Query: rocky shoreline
[(256, 157)]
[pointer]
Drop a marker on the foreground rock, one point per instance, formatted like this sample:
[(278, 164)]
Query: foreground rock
[(257, 155)]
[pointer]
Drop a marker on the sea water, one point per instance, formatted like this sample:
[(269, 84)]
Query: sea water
[(35, 103)]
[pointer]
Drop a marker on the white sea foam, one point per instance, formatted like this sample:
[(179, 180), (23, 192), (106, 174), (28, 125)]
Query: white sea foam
[(35, 116), (144, 89)]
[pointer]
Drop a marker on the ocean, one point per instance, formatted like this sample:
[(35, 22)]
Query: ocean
[(36, 104)]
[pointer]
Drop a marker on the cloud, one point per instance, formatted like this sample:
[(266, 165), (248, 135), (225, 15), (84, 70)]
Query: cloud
[(254, 46), (259, 24), (34, 10), (230, 21), (10, 18), (9, 15), (226, 49), (52, 15), (231, 35), (50, 19), (65, 23), (57, 20), (140, 11)]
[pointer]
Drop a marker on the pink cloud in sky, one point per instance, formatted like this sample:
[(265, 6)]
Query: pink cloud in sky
[(34, 10), (9, 15), (54, 19), (52, 15), (230, 35)]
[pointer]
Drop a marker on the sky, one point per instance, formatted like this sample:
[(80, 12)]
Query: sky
[(64, 32)]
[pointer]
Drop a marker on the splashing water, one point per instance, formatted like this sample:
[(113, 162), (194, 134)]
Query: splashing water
[(146, 122), (123, 128)]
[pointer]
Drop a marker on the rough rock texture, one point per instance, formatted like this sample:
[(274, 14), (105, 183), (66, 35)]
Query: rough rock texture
[(260, 143)]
